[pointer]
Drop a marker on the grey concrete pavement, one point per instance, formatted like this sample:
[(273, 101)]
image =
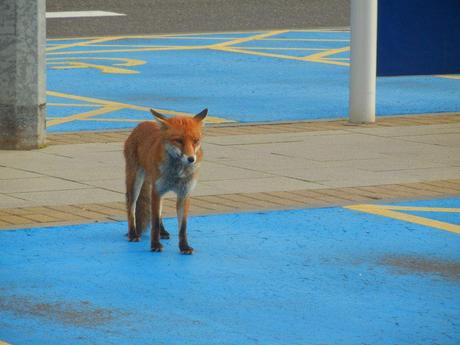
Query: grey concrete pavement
[(347, 157)]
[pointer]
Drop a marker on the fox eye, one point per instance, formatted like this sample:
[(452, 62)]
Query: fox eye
[(178, 141), (196, 141)]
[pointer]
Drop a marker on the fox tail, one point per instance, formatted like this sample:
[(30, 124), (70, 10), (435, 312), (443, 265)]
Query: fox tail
[(143, 211)]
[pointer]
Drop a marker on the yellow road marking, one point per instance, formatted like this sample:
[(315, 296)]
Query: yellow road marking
[(162, 46), (215, 47), (72, 105), (227, 46), (387, 211), (172, 48), (329, 62), (121, 61), (250, 52), (320, 30), (139, 45), (280, 56), (306, 40), (248, 39), (4, 343), (82, 116), (421, 209), (273, 48), (321, 57), (113, 105), (83, 43), (228, 38), (69, 62), (327, 53), (102, 68), (100, 120)]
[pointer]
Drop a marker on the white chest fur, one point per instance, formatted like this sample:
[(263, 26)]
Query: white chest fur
[(176, 176)]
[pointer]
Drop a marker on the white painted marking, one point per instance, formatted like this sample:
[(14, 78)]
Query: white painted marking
[(80, 14)]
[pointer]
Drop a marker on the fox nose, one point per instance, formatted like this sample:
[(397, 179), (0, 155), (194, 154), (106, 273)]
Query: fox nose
[(191, 159)]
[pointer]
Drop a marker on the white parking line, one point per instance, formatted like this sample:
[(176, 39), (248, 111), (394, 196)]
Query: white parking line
[(79, 14)]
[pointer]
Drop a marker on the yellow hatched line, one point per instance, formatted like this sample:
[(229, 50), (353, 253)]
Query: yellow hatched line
[(82, 116), (234, 38), (306, 40), (102, 68), (128, 50), (277, 48), (160, 46), (226, 46), (247, 39), (113, 105), (321, 57), (136, 46), (329, 62), (320, 30), (79, 44), (250, 52), (280, 56), (72, 105), (121, 61), (101, 120), (326, 53), (386, 212)]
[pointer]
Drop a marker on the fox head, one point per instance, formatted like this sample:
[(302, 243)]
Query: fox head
[(182, 135)]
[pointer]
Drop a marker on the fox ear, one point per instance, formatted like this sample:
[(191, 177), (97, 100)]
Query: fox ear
[(199, 117), (160, 117)]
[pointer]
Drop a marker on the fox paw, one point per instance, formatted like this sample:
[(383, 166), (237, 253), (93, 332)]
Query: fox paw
[(186, 249), (164, 235), (157, 247), (133, 238)]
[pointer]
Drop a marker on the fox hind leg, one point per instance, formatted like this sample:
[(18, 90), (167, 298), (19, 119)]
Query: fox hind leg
[(134, 182), (163, 233)]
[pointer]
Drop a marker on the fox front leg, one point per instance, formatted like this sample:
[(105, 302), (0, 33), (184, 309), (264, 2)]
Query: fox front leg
[(182, 212)]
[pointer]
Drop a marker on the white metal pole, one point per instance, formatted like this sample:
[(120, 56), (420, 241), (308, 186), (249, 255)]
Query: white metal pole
[(363, 61)]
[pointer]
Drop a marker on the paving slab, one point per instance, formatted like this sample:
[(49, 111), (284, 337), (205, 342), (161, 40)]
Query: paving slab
[(244, 163), (277, 166), (69, 197)]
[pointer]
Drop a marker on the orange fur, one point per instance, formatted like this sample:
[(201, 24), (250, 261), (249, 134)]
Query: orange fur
[(160, 158)]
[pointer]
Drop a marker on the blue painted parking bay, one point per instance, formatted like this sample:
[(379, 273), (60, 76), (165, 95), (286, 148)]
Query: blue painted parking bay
[(369, 274), (107, 83)]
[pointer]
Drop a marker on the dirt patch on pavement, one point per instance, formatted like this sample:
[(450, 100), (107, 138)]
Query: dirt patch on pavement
[(421, 265), (82, 313)]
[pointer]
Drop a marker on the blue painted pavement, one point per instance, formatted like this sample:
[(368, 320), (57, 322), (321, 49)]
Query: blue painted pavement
[(245, 86), (316, 276)]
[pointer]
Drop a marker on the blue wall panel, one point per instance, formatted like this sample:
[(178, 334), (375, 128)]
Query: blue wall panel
[(418, 37)]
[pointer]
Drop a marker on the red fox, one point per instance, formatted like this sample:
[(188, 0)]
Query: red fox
[(162, 157)]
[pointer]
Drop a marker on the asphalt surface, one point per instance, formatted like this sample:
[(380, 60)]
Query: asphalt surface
[(179, 16), (330, 276)]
